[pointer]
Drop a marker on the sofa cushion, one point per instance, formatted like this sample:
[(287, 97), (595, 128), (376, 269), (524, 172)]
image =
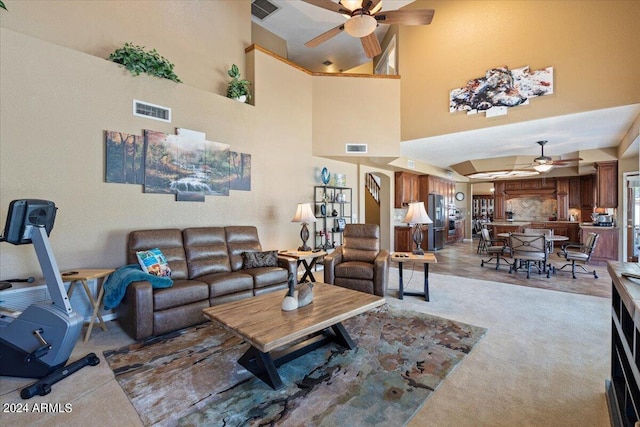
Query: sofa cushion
[(227, 283), (181, 293), (206, 251), (354, 270), (259, 259), (242, 238), (267, 276), (169, 241)]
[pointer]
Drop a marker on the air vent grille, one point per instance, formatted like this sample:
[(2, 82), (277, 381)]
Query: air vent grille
[(262, 8), (151, 111), (357, 148)]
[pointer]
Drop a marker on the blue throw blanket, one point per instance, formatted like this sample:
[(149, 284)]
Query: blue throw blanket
[(116, 285)]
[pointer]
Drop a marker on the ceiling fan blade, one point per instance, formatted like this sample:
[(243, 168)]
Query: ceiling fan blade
[(371, 45), (329, 5), (325, 36), (563, 161), (406, 17)]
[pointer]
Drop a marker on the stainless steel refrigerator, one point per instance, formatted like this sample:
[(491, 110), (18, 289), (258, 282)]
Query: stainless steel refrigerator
[(437, 234)]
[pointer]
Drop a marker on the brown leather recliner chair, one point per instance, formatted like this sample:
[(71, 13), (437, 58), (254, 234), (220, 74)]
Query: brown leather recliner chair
[(359, 263)]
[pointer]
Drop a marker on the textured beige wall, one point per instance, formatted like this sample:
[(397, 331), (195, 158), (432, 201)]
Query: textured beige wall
[(356, 110), (268, 40), (188, 33), (592, 45), (55, 105)]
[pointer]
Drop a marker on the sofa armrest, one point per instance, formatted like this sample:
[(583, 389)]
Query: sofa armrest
[(381, 273), (135, 312), (288, 264), (330, 262)]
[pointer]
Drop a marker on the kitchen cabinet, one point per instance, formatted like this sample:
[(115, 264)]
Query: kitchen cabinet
[(406, 189), (587, 196), (403, 241), (607, 246), (562, 199), (574, 192), (607, 184), (499, 199)]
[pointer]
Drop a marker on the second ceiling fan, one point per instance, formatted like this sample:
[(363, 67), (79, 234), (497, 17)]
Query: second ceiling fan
[(363, 18), (545, 163)]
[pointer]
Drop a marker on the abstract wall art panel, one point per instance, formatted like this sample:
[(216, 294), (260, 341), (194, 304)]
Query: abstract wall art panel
[(501, 88)]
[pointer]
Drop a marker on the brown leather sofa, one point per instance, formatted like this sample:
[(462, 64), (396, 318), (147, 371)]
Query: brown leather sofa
[(359, 263), (206, 268)]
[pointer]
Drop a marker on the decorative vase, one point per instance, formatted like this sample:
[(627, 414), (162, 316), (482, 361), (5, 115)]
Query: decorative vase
[(325, 176)]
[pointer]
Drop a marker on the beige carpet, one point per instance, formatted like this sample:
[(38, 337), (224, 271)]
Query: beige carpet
[(543, 362)]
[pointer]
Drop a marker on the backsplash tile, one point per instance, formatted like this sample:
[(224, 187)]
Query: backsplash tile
[(532, 209)]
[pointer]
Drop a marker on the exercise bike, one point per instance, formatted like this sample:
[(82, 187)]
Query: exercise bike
[(37, 342)]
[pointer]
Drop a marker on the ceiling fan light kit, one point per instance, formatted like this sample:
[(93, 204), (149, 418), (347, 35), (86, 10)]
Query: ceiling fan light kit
[(543, 167), (360, 25)]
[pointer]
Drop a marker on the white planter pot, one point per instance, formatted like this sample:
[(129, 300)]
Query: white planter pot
[(242, 98)]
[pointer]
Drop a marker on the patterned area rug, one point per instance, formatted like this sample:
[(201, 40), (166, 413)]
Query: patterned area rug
[(191, 377)]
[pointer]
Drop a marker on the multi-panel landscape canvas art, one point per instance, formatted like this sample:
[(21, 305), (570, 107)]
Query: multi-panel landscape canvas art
[(185, 164)]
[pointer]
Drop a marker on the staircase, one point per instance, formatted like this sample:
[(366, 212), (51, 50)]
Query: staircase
[(373, 187)]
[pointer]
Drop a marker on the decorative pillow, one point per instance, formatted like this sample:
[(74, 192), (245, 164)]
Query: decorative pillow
[(154, 262), (259, 259)]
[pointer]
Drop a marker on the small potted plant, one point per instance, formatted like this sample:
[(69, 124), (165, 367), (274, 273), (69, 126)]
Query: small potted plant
[(238, 88)]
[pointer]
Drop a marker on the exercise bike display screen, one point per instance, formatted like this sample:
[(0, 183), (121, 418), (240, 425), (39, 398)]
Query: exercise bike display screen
[(25, 214)]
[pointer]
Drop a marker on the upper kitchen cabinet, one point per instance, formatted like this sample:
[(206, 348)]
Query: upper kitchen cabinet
[(574, 192), (406, 189), (607, 184)]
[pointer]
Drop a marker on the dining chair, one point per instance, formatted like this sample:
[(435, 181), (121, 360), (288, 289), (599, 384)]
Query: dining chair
[(496, 248), (580, 253), (546, 231), (528, 250)]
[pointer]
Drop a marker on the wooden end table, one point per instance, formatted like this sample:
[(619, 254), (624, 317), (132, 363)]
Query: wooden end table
[(81, 276), (270, 331), (426, 259), (308, 259)]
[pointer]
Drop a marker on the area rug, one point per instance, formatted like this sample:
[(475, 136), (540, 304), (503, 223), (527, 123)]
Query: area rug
[(191, 377)]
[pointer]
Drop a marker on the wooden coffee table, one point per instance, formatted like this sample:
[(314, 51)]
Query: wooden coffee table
[(270, 331)]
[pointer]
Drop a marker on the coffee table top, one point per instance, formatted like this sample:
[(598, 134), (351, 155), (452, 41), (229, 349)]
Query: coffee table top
[(261, 321)]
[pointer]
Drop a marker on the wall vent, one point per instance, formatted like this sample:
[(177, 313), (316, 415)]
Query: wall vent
[(151, 111), (262, 8), (411, 164), (356, 148)]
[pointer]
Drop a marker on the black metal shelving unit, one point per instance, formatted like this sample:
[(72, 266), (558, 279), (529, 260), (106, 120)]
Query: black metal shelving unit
[(333, 209)]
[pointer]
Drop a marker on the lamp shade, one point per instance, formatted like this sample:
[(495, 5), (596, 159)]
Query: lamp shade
[(304, 213), (417, 214), (360, 25), (544, 167)]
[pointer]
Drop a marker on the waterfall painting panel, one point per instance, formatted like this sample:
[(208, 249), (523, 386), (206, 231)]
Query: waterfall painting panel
[(189, 167)]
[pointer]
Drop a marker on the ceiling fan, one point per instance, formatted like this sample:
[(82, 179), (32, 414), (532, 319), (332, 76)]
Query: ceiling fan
[(545, 163), (363, 18)]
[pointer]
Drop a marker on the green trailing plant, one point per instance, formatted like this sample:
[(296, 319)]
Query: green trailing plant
[(137, 60), (238, 87), (2, 5)]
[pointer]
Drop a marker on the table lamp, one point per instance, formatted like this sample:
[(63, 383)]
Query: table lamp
[(417, 215), (305, 215)]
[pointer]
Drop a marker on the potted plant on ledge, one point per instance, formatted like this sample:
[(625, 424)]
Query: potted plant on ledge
[(238, 88)]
